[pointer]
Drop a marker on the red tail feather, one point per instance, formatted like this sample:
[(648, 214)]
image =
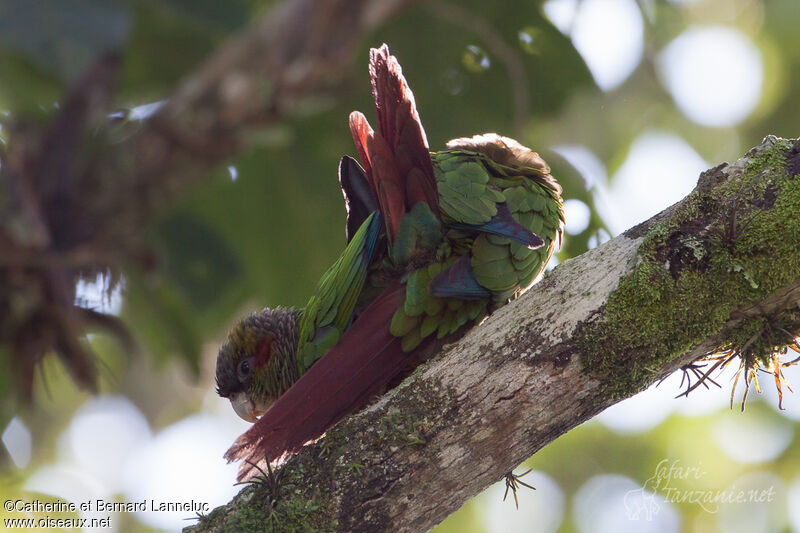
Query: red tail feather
[(360, 366), (400, 125), (362, 132), (396, 158)]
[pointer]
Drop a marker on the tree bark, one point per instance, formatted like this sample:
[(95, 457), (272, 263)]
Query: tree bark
[(718, 270)]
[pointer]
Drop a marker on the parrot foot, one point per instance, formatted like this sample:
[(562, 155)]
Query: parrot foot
[(513, 482)]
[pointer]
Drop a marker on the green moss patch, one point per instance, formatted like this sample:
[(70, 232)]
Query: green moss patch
[(732, 242)]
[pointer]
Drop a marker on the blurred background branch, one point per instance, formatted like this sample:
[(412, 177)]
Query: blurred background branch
[(78, 196)]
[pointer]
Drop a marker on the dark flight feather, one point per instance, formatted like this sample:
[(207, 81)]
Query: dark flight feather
[(358, 198)]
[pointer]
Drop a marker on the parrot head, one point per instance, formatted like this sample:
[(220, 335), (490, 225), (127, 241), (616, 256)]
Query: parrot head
[(257, 362)]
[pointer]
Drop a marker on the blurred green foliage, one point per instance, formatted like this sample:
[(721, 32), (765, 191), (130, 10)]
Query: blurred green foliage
[(264, 238)]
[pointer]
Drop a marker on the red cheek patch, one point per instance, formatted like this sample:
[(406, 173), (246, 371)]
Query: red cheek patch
[(264, 351)]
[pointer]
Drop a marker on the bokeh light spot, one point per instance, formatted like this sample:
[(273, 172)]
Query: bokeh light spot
[(612, 503), (529, 38), (453, 81), (661, 168), (475, 59), (577, 215), (144, 111), (757, 504), (591, 169), (752, 439), (640, 413), (172, 468), (714, 74), (17, 440), (561, 13), (103, 434), (793, 500), (609, 35), (540, 511)]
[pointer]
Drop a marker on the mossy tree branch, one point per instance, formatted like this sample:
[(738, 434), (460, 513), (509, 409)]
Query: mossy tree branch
[(720, 269)]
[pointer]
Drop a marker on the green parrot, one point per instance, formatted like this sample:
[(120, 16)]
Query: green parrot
[(435, 242)]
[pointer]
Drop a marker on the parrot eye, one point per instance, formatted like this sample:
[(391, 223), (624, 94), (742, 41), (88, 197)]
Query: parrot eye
[(244, 368)]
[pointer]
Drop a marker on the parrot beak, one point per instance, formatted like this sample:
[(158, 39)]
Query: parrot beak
[(245, 407)]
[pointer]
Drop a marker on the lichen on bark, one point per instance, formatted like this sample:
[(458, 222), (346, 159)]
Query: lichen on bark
[(717, 251)]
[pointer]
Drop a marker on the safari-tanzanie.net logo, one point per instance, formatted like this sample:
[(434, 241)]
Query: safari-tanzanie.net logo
[(677, 483)]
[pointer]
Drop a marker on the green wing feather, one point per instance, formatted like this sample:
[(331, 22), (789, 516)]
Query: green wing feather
[(465, 194), (471, 184), (330, 311), (423, 314)]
